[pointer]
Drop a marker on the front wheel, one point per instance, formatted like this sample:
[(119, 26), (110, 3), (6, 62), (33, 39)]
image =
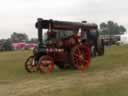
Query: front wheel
[(46, 64), (30, 65)]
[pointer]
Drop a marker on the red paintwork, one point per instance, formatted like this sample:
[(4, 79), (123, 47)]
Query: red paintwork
[(81, 56), (46, 64), (67, 44)]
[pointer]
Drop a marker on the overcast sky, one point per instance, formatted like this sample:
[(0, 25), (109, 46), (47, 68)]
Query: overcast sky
[(21, 15)]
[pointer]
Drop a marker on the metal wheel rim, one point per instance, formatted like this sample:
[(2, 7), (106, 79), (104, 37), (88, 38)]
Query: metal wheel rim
[(46, 64), (81, 57), (30, 65)]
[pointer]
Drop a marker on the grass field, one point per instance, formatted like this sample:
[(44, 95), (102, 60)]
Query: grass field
[(106, 76)]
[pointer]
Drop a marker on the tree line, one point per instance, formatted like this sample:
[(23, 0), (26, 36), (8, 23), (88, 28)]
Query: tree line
[(111, 28), (6, 44)]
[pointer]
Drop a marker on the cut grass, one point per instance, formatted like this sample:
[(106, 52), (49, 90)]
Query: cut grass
[(106, 76)]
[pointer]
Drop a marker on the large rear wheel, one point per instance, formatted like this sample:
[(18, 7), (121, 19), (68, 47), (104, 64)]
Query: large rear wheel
[(30, 65), (100, 47), (46, 64), (93, 51), (80, 56)]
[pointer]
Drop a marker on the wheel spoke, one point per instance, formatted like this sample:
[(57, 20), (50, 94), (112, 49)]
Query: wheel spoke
[(30, 65), (46, 64), (81, 57), (76, 55)]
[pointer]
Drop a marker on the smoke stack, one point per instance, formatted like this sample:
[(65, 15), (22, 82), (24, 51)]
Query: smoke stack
[(84, 21)]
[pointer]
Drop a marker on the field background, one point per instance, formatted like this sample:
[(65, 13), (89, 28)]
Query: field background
[(106, 76)]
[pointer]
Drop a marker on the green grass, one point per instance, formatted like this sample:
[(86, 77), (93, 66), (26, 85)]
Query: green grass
[(106, 76)]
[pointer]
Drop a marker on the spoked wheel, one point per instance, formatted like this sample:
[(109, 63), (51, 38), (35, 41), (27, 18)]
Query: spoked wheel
[(46, 64), (30, 65), (80, 56)]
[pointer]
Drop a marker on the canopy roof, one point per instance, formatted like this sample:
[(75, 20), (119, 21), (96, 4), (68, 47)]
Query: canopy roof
[(65, 25)]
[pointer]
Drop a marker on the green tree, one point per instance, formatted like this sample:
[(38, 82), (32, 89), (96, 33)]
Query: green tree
[(7, 45), (122, 29), (19, 37), (111, 28), (33, 40), (103, 28)]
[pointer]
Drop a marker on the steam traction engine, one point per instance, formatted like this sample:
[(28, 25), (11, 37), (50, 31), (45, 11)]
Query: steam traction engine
[(64, 44)]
